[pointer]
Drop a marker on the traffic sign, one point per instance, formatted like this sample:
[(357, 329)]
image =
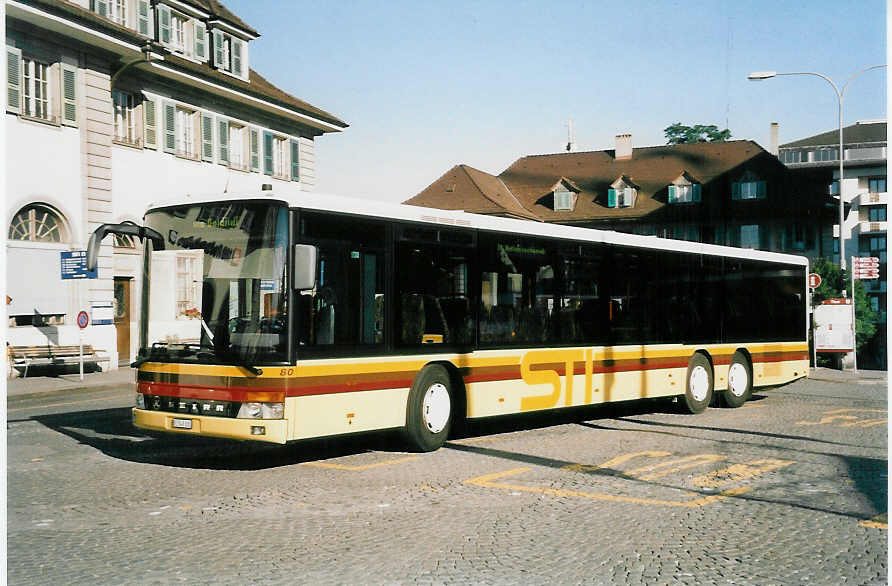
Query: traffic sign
[(866, 261), (867, 274), (82, 319), (814, 280)]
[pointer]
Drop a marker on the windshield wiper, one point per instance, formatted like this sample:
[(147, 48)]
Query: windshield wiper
[(162, 351)]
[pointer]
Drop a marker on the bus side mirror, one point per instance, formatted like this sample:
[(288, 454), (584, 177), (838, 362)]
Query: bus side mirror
[(93, 250), (304, 273)]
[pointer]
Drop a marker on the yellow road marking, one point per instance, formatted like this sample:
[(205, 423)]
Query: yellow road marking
[(739, 472), (614, 462), (673, 466), (361, 467), (853, 420), (488, 482), (865, 423), (825, 420), (878, 522), (847, 410)]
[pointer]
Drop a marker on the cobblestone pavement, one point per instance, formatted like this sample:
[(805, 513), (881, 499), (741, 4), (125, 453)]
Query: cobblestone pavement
[(789, 489)]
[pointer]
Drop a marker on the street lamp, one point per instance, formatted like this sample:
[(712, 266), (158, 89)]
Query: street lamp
[(760, 75)]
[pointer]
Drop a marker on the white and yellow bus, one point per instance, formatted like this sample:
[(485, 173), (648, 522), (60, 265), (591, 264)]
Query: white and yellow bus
[(272, 319)]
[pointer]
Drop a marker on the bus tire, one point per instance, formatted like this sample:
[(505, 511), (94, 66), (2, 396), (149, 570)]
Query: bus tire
[(740, 381), (698, 385), (429, 410)]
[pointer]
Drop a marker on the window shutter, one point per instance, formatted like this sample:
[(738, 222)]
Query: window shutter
[(69, 94), (295, 160), (101, 7), (267, 153), (628, 197), (761, 189), (611, 198), (697, 192), (237, 57), (201, 40), (207, 137), (13, 80), (255, 149), (673, 197), (735, 190), (170, 137), (223, 137), (163, 23), (142, 18), (218, 47), (150, 123)]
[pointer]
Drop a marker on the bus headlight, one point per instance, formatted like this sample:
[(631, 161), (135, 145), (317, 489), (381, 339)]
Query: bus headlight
[(261, 411)]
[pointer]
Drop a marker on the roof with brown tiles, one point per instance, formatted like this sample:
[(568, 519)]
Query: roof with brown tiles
[(471, 190), (216, 8), (528, 183)]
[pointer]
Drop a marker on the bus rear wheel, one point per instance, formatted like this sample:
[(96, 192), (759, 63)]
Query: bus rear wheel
[(698, 386), (740, 381), (429, 410)]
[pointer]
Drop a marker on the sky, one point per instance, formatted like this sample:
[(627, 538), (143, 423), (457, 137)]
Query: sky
[(428, 85)]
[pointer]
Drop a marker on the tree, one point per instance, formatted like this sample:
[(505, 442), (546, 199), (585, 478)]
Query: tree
[(678, 133), (833, 282)]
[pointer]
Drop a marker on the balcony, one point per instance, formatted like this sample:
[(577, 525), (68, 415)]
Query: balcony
[(873, 227), (868, 199)]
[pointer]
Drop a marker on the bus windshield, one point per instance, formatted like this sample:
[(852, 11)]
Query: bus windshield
[(218, 290)]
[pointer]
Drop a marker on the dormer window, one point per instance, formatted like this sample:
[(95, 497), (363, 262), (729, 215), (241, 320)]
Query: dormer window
[(749, 187), (182, 33), (622, 193), (563, 200), (230, 53), (685, 190)]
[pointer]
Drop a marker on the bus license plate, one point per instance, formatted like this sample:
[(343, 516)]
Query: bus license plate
[(182, 423)]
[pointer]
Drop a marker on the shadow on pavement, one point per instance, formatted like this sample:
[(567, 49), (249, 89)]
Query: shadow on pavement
[(112, 432)]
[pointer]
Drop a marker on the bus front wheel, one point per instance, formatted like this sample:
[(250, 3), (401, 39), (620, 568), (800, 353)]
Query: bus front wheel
[(740, 381), (698, 387), (429, 411)]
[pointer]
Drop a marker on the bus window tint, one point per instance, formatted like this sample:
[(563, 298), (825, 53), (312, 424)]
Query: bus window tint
[(432, 285), (347, 306), (763, 301), (518, 298), (583, 315)]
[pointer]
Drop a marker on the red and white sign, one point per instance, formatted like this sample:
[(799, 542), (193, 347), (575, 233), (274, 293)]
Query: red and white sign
[(814, 280), (83, 319), (867, 274), (866, 261)]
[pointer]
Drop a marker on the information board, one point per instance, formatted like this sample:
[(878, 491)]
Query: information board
[(74, 265)]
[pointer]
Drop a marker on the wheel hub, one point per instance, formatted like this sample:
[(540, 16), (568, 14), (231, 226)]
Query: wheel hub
[(738, 379), (435, 408), (699, 383)]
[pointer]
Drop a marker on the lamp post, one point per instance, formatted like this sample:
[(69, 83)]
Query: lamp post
[(840, 92)]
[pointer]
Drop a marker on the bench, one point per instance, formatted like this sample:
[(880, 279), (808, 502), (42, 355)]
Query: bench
[(49, 355)]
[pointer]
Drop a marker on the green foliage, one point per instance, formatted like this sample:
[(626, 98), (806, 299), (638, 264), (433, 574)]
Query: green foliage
[(678, 133), (833, 282)]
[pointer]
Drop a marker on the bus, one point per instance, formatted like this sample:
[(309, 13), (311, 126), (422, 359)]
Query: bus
[(277, 318)]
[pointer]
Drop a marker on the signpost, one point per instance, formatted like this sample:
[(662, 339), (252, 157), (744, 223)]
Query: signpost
[(863, 268), (83, 320)]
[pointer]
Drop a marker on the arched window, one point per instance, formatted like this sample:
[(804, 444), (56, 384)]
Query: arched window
[(38, 223)]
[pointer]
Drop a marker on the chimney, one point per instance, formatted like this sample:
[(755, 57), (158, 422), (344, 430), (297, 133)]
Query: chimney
[(623, 147), (772, 147)]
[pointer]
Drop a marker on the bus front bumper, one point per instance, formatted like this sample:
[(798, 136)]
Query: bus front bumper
[(264, 430)]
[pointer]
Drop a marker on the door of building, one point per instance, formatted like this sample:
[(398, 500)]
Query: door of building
[(122, 319)]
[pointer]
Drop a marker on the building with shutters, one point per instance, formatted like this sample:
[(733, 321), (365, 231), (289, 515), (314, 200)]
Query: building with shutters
[(733, 193), (113, 104)]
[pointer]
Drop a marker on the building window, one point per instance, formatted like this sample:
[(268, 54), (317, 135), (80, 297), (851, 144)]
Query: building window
[(280, 156), (118, 11), (621, 195), (238, 156), (833, 188), (37, 223), (876, 246), (563, 200), (749, 187), (125, 117), (179, 31), (798, 236), (188, 283), (685, 193), (229, 53), (876, 185), (37, 94), (877, 214), (185, 133), (124, 241), (749, 236)]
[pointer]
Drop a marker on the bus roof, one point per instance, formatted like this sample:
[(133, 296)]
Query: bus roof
[(380, 209)]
